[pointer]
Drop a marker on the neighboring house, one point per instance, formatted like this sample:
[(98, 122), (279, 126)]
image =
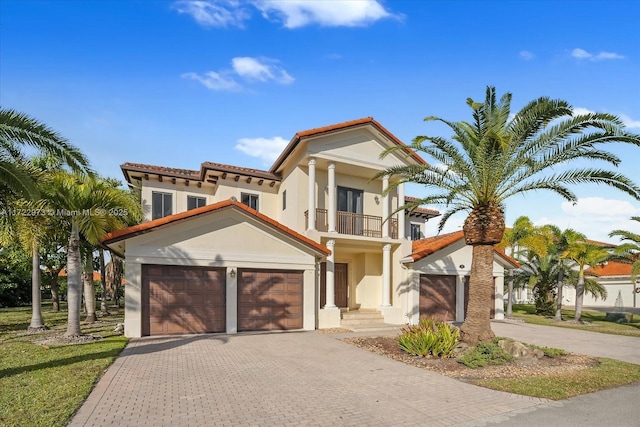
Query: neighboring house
[(227, 249), (615, 277)]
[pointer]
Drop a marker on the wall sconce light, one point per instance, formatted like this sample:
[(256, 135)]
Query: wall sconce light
[(461, 266), (377, 199), (232, 273)]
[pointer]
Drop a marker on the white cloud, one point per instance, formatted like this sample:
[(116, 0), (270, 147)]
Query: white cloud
[(246, 68), (629, 122), (526, 55), (215, 81), (335, 13), (267, 149), (581, 111), (583, 54), (260, 69), (214, 13), (596, 217)]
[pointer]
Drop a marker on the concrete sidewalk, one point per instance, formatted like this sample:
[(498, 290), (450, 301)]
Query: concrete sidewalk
[(596, 344)]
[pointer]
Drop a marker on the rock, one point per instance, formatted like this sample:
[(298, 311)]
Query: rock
[(520, 351)]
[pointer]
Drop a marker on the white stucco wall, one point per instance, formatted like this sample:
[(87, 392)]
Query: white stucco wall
[(222, 239)]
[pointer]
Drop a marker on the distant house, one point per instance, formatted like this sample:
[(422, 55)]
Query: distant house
[(227, 248)]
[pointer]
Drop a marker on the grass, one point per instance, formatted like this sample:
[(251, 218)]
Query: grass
[(594, 321), (610, 373), (44, 385)]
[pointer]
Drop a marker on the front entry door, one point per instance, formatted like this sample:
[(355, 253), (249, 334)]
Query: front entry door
[(340, 277)]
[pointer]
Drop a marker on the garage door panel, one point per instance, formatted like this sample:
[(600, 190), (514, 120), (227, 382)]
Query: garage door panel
[(438, 297), (180, 299), (269, 300)]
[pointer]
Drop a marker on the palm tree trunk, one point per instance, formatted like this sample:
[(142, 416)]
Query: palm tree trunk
[(477, 326), (37, 323), (74, 282), (103, 284), (559, 285), (510, 292), (89, 289), (55, 294), (579, 296)]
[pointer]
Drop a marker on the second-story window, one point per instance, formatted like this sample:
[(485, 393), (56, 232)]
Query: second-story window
[(161, 205), (195, 202), (350, 200), (415, 232), (250, 200)]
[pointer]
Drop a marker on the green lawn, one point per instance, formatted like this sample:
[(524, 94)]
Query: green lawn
[(594, 321), (44, 385)]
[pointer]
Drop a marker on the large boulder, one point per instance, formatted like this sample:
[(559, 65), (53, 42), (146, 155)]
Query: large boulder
[(521, 351)]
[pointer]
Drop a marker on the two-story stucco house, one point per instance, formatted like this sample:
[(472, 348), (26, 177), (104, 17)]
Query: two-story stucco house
[(300, 246)]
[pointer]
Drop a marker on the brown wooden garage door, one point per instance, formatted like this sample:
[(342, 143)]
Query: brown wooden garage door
[(438, 297), (182, 300), (269, 300)]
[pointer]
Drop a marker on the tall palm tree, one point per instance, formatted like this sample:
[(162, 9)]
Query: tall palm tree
[(18, 131), (94, 207), (561, 240), (629, 250), (496, 156), (585, 253)]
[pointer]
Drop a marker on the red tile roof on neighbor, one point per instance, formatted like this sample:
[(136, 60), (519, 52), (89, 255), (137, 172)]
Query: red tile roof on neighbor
[(334, 128), (425, 247), (146, 227), (96, 275), (612, 268)]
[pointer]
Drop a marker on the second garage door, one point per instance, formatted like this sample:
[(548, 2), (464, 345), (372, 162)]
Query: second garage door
[(269, 300)]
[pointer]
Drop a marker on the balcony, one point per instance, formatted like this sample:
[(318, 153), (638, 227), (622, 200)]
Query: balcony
[(354, 224)]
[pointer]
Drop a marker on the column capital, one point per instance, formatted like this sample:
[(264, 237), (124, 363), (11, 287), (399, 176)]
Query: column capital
[(331, 166), (387, 247), (331, 243), (312, 161)]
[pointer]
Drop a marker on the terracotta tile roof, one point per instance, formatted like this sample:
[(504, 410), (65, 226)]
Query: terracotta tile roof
[(430, 212), (146, 227), (612, 268), (430, 245), (425, 247), (333, 128), (179, 173), (240, 170)]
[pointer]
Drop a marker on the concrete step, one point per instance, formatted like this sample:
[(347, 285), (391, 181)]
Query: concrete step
[(349, 315)]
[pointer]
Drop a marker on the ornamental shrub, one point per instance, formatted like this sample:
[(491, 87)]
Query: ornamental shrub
[(429, 338)]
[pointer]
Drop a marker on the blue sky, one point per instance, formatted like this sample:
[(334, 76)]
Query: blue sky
[(176, 83)]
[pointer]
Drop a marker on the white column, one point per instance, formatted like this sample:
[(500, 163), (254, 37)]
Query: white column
[(332, 197), (330, 288), (385, 207), (312, 194), (401, 230), (386, 276)]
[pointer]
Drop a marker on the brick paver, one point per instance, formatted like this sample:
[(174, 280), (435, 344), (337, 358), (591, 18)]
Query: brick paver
[(297, 379)]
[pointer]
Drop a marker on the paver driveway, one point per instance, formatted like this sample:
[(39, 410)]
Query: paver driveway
[(303, 378)]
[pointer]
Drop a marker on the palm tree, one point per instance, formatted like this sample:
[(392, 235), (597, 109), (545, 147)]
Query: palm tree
[(18, 131), (539, 272), (585, 253), (497, 156), (94, 207), (512, 239), (561, 240), (629, 250)]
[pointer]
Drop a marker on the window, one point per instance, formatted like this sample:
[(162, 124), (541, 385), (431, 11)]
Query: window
[(284, 200), (350, 200), (415, 232), (195, 202), (250, 200), (161, 205)]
